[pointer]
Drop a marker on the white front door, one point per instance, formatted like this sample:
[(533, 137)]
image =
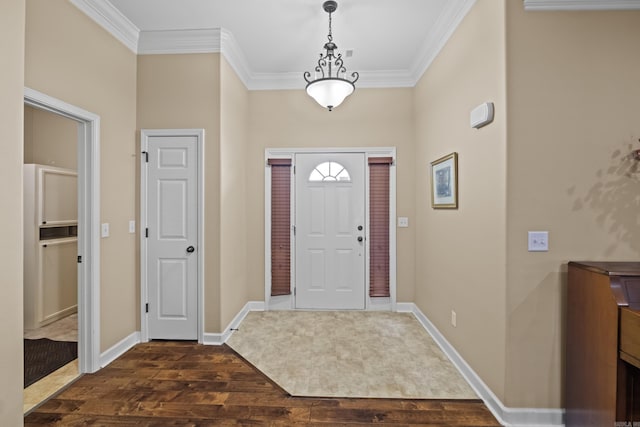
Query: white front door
[(330, 231), (172, 230)]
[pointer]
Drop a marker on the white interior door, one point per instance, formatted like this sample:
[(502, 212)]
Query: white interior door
[(330, 231), (172, 221)]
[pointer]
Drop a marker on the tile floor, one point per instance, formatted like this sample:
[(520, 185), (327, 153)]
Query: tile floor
[(349, 354), (39, 391), (65, 329)]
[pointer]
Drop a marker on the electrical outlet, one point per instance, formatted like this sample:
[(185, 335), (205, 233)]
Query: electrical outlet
[(454, 319), (403, 221)]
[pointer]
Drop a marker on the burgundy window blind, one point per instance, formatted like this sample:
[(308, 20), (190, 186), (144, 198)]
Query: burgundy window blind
[(379, 226), (280, 226)]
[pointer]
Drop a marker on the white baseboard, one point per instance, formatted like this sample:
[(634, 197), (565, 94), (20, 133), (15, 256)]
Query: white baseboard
[(59, 315), (507, 416), (119, 349), (219, 339), (209, 339)]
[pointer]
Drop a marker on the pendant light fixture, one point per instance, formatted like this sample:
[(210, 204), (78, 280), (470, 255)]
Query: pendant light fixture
[(330, 86)]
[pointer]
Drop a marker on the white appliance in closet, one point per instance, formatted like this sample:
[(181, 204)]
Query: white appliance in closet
[(50, 244)]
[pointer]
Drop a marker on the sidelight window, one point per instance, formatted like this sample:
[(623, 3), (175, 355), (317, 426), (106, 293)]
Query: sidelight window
[(280, 226), (379, 201)]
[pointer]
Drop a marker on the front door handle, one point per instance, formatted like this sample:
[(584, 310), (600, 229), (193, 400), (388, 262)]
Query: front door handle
[(190, 249), (360, 239)]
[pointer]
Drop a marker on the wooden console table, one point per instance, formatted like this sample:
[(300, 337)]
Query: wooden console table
[(602, 384)]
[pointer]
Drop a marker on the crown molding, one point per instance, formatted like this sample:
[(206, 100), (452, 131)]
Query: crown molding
[(386, 79), (208, 40), (219, 40), (112, 20), (230, 49), (438, 37), (162, 42), (542, 5)]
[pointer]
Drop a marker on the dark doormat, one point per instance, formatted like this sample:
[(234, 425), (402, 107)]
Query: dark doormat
[(43, 356)]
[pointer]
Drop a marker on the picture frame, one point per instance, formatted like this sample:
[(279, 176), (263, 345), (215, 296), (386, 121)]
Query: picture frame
[(444, 182)]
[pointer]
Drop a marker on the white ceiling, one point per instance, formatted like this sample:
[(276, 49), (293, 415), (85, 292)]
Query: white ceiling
[(287, 35), (271, 43), (393, 41)]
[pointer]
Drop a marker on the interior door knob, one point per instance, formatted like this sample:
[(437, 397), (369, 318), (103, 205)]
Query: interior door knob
[(191, 249)]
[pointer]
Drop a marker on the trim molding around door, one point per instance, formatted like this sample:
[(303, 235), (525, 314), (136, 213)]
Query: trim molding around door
[(287, 302), (88, 221), (144, 145)]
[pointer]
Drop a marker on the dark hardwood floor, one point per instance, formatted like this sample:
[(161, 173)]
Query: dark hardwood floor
[(186, 384)]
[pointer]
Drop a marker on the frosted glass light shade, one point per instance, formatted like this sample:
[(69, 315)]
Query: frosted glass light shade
[(330, 92)]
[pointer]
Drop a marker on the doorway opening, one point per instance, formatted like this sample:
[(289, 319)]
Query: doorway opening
[(317, 229), (84, 227), (50, 224)]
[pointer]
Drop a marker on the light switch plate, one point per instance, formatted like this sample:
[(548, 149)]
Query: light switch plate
[(105, 229), (132, 226), (538, 241), (403, 221)]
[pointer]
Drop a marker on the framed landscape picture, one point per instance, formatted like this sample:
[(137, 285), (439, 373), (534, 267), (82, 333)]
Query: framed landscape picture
[(444, 182)]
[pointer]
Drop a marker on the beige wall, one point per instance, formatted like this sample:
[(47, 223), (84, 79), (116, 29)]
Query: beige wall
[(11, 123), (566, 105), (574, 110), (369, 118), (50, 139), (183, 91), (234, 264), (179, 91), (460, 254), (566, 91), (71, 58)]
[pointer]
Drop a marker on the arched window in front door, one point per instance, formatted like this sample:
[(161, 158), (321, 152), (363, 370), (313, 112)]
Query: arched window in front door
[(328, 172)]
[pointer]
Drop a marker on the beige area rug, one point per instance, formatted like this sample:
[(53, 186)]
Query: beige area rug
[(348, 354)]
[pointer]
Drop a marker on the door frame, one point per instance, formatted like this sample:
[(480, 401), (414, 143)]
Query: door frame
[(287, 302), (88, 223), (144, 145)]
